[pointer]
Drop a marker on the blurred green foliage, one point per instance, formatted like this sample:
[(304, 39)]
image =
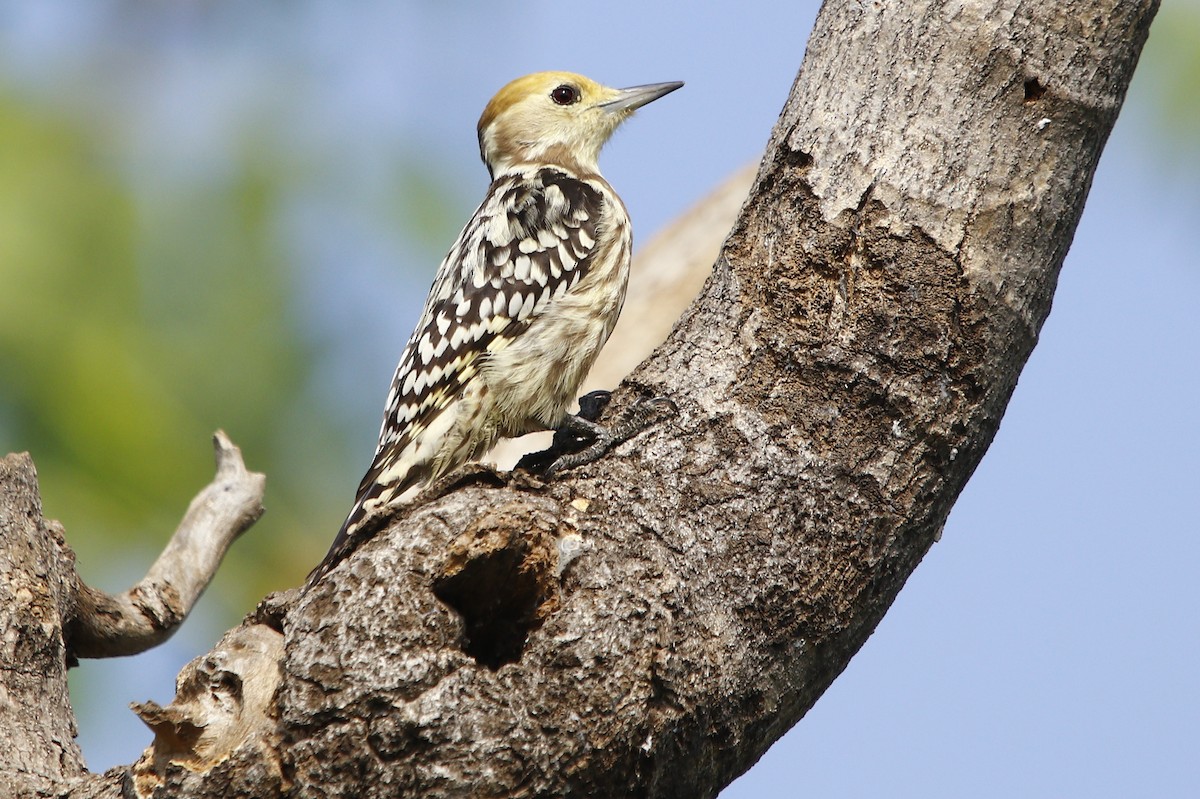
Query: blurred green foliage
[(130, 332)]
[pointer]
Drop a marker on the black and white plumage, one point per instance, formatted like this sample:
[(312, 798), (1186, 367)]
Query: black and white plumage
[(532, 241), (524, 300)]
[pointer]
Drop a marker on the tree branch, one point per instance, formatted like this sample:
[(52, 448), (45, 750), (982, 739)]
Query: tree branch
[(144, 616), (50, 616), (838, 380)]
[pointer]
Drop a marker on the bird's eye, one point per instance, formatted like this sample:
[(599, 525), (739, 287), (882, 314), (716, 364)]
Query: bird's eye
[(565, 94)]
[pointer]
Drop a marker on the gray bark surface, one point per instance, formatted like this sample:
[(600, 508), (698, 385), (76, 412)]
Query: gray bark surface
[(37, 727), (649, 624)]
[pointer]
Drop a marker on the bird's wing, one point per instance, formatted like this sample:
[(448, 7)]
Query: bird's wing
[(530, 242)]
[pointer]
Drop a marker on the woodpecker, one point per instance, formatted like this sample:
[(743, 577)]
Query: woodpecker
[(523, 301)]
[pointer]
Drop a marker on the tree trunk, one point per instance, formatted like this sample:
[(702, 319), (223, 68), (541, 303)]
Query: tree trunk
[(649, 624), (37, 727)]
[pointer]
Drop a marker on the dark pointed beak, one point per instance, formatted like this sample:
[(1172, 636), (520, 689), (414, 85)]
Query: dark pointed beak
[(638, 96)]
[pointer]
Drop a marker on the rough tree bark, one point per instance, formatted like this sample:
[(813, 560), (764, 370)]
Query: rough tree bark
[(649, 624), (49, 616)]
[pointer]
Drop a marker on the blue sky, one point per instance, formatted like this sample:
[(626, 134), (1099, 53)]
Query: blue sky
[(1046, 647)]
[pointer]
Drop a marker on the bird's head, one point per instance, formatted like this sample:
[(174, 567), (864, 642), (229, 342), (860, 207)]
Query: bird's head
[(557, 118)]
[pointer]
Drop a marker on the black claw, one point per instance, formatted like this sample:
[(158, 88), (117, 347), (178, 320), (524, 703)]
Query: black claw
[(581, 430)]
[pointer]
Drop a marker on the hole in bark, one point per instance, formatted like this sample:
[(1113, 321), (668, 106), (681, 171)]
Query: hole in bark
[(500, 578), (799, 159), (1033, 90)]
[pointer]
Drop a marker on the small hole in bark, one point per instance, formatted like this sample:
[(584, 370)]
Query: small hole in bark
[(1033, 90), (500, 579), (799, 159)]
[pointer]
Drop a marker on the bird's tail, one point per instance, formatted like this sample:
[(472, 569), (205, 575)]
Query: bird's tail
[(381, 486), (343, 544)]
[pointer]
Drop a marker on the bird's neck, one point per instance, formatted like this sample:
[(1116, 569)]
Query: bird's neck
[(558, 156)]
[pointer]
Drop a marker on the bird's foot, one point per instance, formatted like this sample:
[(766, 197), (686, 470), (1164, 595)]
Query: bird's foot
[(581, 440)]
